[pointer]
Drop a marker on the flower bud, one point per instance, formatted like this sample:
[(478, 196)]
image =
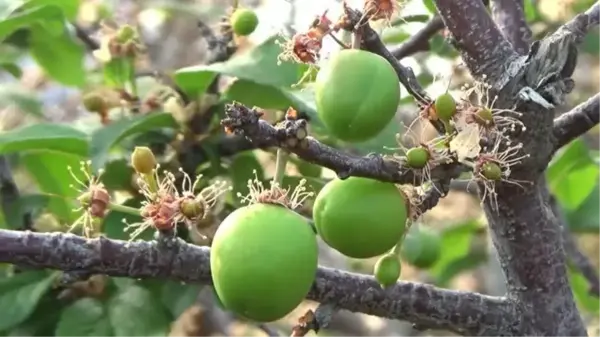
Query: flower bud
[(143, 160), (192, 208), (94, 102), (126, 34)]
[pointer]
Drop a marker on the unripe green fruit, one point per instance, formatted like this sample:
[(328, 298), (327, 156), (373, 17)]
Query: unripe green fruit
[(356, 94), (421, 247), (484, 116), (143, 160), (417, 157), (387, 270), (263, 261), (359, 217), (445, 106), (243, 21), (94, 102), (491, 171)]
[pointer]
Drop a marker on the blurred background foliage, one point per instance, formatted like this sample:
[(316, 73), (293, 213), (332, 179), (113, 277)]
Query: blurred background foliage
[(45, 69)]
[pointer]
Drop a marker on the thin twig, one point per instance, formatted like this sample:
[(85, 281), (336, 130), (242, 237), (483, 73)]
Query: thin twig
[(85, 37), (576, 122), (420, 40)]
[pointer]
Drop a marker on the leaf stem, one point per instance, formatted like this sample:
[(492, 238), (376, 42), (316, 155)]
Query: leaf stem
[(124, 209)]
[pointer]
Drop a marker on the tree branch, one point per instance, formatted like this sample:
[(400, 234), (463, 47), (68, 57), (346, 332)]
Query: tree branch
[(528, 239), (576, 122), (484, 49), (463, 312), (85, 37), (510, 18), (420, 40), (291, 135)]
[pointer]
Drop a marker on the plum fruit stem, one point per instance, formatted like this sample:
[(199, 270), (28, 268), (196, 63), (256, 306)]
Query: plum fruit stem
[(356, 40), (123, 209), (280, 164)]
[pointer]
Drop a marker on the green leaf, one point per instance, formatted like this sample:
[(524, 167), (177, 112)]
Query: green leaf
[(178, 297), (440, 46), (33, 204), (28, 17), (23, 99), (259, 65), (12, 68), (134, 311), (60, 56), (394, 35), (85, 317), (430, 5), (118, 175), (305, 168), (130, 312), (591, 43), (580, 287), (530, 9), (241, 170), (586, 218), (113, 226), (386, 138), (106, 137), (43, 320), (44, 136), (253, 94), (50, 171), (20, 294), (456, 246), (572, 175), (69, 8)]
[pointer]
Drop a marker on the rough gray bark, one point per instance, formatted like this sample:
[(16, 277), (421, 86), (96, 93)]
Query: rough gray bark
[(525, 232), (462, 312), (579, 120), (510, 18)]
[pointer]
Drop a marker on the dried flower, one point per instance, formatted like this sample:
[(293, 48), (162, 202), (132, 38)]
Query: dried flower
[(285, 197), (93, 199)]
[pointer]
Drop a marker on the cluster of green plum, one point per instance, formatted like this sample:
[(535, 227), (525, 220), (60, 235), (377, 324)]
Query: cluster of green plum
[(264, 256)]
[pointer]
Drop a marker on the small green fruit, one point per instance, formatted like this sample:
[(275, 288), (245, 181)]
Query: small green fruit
[(356, 94), (491, 171), (263, 261), (445, 106), (421, 247), (387, 270), (417, 157), (359, 217), (143, 160), (484, 116), (243, 21)]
